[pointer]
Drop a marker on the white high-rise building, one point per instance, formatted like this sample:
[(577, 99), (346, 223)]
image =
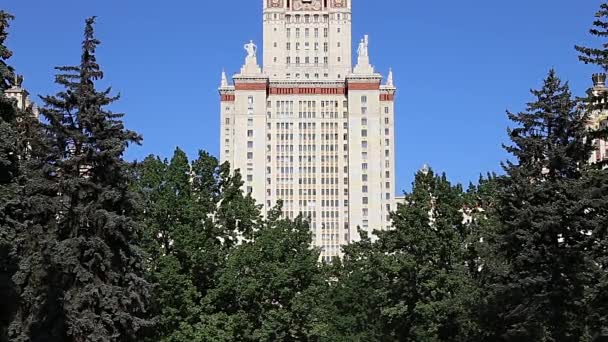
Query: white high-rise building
[(308, 128), (599, 120)]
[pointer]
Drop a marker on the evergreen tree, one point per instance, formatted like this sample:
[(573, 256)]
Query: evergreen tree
[(414, 277), (82, 277), (195, 213), (9, 171), (598, 56), (542, 267), (270, 290)]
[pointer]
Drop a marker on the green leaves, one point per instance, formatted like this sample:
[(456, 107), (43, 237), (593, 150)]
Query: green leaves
[(411, 284)]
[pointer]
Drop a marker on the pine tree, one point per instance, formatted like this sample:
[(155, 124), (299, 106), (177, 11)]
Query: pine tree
[(542, 268), (82, 279)]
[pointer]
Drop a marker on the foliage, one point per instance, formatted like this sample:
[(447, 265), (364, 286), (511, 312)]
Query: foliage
[(81, 276), (195, 214), (541, 268)]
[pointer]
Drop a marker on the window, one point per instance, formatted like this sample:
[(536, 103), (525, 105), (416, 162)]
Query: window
[(250, 133), (363, 99), (249, 155), (363, 110), (365, 200), (364, 178), (250, 178), (288, 46), (364, 144), (250, 144), (364, 133), (364, 166), (227, 121), (386, 121), (387, 153), (288, 60), (364, 189), (385, 110), (386, 131), (316, 32), (388, 196), (363, 122), (250, 101)]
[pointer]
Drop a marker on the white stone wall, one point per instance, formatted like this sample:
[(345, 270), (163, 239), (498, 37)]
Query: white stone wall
[(323, 145)]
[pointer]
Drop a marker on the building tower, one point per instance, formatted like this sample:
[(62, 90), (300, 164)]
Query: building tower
[(599, 119), (309, 129)]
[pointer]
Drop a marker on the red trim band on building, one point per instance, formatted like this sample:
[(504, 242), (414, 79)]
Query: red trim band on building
[(387, 97), (227, 98), (250, 86), (364, 86), (307, 91)]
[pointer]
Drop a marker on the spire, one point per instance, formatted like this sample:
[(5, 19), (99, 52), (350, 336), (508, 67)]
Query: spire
[(389, 80), (224, 79)]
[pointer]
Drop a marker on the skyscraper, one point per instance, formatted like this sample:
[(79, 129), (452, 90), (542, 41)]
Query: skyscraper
[(599, 119), (310, 129)]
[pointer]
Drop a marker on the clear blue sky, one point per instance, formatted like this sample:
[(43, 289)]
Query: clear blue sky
[(458, 66)]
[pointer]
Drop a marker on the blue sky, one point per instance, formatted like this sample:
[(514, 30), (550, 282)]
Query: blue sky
[(458, 66)]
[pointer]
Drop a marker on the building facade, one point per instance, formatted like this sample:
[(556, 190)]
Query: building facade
[(599, 119), (309, 129), (21, 96)]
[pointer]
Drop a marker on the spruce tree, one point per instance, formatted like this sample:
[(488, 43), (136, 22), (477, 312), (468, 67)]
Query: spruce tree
[(592, 55), (82, 279), (542, 268), (9, 172)]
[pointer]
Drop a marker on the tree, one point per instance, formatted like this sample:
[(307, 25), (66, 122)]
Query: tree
[(542, 268), (195, 214), (9, 172), (414, 277), (82, 275), (598, 56), (270, 290)]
